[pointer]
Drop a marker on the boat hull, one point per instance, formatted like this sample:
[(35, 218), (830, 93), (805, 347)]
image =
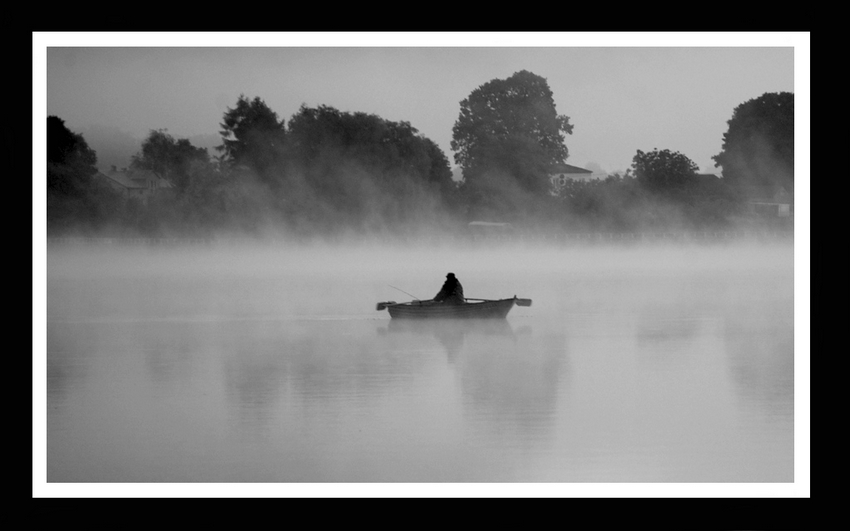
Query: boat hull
[(497, 309)]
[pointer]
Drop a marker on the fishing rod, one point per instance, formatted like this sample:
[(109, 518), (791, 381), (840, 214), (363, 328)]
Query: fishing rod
[(406, 293), (381, 305)]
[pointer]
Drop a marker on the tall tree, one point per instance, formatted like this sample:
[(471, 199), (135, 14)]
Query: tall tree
[(664, 172), (169, 158), (758, 147), (675, 196), (510, 128), (359, 170), (252, 136), (76, 200), (71, 163)]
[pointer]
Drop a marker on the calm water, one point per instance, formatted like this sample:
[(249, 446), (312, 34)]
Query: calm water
[(662, 364)]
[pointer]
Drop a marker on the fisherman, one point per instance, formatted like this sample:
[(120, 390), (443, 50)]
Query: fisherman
[(451, 292)]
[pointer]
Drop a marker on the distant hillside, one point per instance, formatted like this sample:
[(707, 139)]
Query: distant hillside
[(113, 146)]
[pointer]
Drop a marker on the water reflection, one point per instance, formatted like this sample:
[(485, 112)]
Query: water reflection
[(653, 330), (510, 381), (670, 338), (311, 367), (760, 349), (67, 367), (254, 382), (616, 374), (452, 334)]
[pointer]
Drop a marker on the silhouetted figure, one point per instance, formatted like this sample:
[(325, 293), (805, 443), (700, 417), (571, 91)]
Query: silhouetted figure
[(451, 292)]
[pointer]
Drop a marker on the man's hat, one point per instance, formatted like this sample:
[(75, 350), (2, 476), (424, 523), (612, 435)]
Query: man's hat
[(450, 275)]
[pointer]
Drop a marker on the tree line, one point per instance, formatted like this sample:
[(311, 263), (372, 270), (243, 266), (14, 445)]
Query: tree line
[(327, 172)]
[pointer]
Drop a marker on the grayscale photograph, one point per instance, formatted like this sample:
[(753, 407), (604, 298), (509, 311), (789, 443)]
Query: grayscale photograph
[(420, 264)]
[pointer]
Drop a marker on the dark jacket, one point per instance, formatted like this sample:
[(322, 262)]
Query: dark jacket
[(451, 292)]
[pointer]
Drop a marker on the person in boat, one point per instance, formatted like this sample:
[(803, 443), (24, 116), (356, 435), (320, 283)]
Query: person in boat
[(451, 292)]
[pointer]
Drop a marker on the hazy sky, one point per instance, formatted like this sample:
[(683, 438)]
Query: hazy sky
[(622, 92)]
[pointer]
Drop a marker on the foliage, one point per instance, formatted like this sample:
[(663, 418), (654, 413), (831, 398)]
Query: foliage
[(623, 204), (506, 139), (758, 147), (252, 136), (361, 171), (71, 162), (334, 172), (510, 125), (616, 203), (76, 200), (664, 172), (170, 159)]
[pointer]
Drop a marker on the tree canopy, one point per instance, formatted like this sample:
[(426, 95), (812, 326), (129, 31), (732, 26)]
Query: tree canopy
[(361, 168), (758, 147), (169, 158), (664, 172), (71, 162), (76, 200), (329, 172), (511, 125), (253, 136), (507, 138)]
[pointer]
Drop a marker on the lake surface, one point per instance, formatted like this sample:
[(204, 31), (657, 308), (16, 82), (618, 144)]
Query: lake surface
[(238, 364)]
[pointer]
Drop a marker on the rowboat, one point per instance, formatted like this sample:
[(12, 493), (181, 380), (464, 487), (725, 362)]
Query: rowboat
[(472, 308)]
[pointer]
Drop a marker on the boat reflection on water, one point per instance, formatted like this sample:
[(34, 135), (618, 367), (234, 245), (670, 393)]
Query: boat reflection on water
[(452, 334), (508, 378)]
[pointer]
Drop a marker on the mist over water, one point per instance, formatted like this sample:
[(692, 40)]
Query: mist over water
[(269, 363)]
